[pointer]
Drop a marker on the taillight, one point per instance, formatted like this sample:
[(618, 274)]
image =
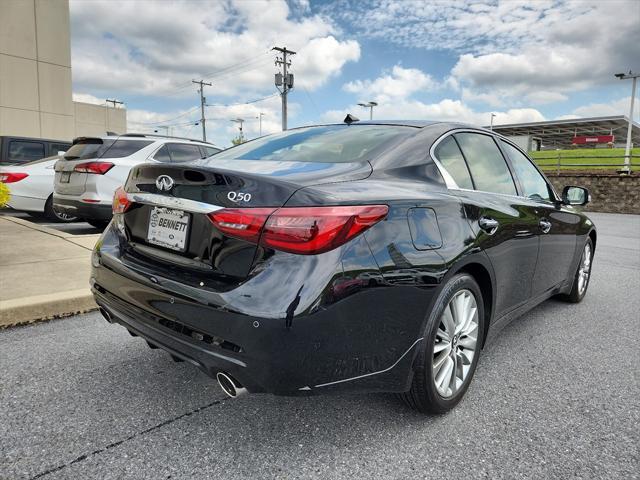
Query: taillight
[(99, 168), (121, 202), (301, 230), (12, 177), (243, 223)]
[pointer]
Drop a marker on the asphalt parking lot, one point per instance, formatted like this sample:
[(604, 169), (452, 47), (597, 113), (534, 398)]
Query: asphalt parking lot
[(555, 396)]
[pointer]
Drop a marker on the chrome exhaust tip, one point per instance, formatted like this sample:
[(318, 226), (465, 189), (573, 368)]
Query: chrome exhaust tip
[(106, 315), (230, 385)]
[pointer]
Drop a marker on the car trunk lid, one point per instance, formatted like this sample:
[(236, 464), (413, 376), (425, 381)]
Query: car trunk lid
[(176, 200)]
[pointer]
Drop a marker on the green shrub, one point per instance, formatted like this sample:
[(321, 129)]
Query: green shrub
[(4, 194)]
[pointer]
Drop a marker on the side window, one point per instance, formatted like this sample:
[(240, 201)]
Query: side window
[(54, 148), (211, 151), (183, 152), (124, 148), (488, 167), (21, 151), (449, 155), (162, 155), (533, 184)]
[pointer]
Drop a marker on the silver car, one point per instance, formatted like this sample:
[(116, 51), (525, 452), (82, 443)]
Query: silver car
[(94, 167)]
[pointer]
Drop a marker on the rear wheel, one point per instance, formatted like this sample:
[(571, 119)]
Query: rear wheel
[(582, 275), (449, 355), (51, 214), (101, 224)]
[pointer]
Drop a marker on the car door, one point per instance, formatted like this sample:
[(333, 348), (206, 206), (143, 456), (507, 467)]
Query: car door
[(557, 225), (503, 222)]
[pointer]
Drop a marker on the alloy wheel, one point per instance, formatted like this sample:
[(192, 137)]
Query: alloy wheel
[(585, 269), (455, 343)]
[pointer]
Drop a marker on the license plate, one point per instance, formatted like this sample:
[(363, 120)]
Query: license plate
[(168, 228), (64, 177)]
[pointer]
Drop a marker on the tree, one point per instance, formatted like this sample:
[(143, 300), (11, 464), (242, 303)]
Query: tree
[(238, 140)]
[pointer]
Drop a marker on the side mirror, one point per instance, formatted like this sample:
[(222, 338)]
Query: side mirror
[(572, 195)]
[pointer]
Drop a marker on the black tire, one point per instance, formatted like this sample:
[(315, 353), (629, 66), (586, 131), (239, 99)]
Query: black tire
[(577, 294), (51, 214), (423, 395), (101, 224)]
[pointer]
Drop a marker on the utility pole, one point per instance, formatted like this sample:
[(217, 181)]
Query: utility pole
[(370, 106), (203, 100), (284, 80), (627, 150), (106, 111), (491, 124), (260, 115)]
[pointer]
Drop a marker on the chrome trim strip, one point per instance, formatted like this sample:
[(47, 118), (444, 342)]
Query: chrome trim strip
[(368, 374), (173, 202), (452, 185)]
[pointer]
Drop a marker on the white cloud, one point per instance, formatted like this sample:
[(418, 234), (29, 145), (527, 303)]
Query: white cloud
[(166, 44), (617, 107), (444, 110), (220, 129), (322, 58), (400, 82), (394, 91), (88, 98), (511, 50)]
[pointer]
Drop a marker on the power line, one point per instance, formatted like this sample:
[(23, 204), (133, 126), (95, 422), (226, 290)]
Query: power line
[(242, 103), (159, 122), (238, 67)]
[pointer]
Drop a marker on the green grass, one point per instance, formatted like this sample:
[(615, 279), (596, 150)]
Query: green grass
[(548, 160)]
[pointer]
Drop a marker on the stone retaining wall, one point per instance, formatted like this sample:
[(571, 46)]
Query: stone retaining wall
[(610, 192)]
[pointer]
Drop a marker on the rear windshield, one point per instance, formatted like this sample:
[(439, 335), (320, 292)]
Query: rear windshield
[(329, 144), (97, 148)]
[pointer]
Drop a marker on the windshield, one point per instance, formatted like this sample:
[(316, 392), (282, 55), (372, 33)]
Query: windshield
[(329, 144)]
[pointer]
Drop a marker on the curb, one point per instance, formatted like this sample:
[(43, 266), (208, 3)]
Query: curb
[(35, 308), (25, 310)]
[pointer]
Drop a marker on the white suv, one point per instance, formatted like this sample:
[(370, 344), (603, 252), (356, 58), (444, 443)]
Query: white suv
[(93, 168)]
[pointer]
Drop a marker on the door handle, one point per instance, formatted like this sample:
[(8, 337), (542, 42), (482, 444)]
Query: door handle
[(545, 225), (489, 225)]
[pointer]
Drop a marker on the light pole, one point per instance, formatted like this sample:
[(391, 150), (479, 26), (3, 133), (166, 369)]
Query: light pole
[(627, 150), (239, 121), (260, 115), (370, 106), (491, 121)]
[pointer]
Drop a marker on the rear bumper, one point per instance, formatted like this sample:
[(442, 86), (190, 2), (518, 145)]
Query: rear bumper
[(27, 204), (365, 342), (77, 208)]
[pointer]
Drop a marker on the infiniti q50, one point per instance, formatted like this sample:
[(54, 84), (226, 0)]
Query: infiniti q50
[(378, 256)]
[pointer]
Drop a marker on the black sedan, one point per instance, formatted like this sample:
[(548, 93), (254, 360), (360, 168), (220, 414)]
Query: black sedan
[(377, 256)]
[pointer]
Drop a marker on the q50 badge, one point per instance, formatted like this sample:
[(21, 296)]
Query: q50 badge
[(239, 197)]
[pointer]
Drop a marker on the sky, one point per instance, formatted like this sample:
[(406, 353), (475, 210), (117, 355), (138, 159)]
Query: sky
[(432, 60)]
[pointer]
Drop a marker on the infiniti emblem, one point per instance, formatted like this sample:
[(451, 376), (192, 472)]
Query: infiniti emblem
[(164, 182)]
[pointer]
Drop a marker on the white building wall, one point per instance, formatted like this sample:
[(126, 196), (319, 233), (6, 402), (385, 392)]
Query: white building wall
[(35, 76)]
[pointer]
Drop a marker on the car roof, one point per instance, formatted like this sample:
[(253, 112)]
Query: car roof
[(147, 137), (405, 123)]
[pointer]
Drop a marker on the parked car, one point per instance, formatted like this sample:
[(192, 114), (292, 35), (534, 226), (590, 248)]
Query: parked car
[(362, 257), (90, 171), (20, 150), (31, 188)]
